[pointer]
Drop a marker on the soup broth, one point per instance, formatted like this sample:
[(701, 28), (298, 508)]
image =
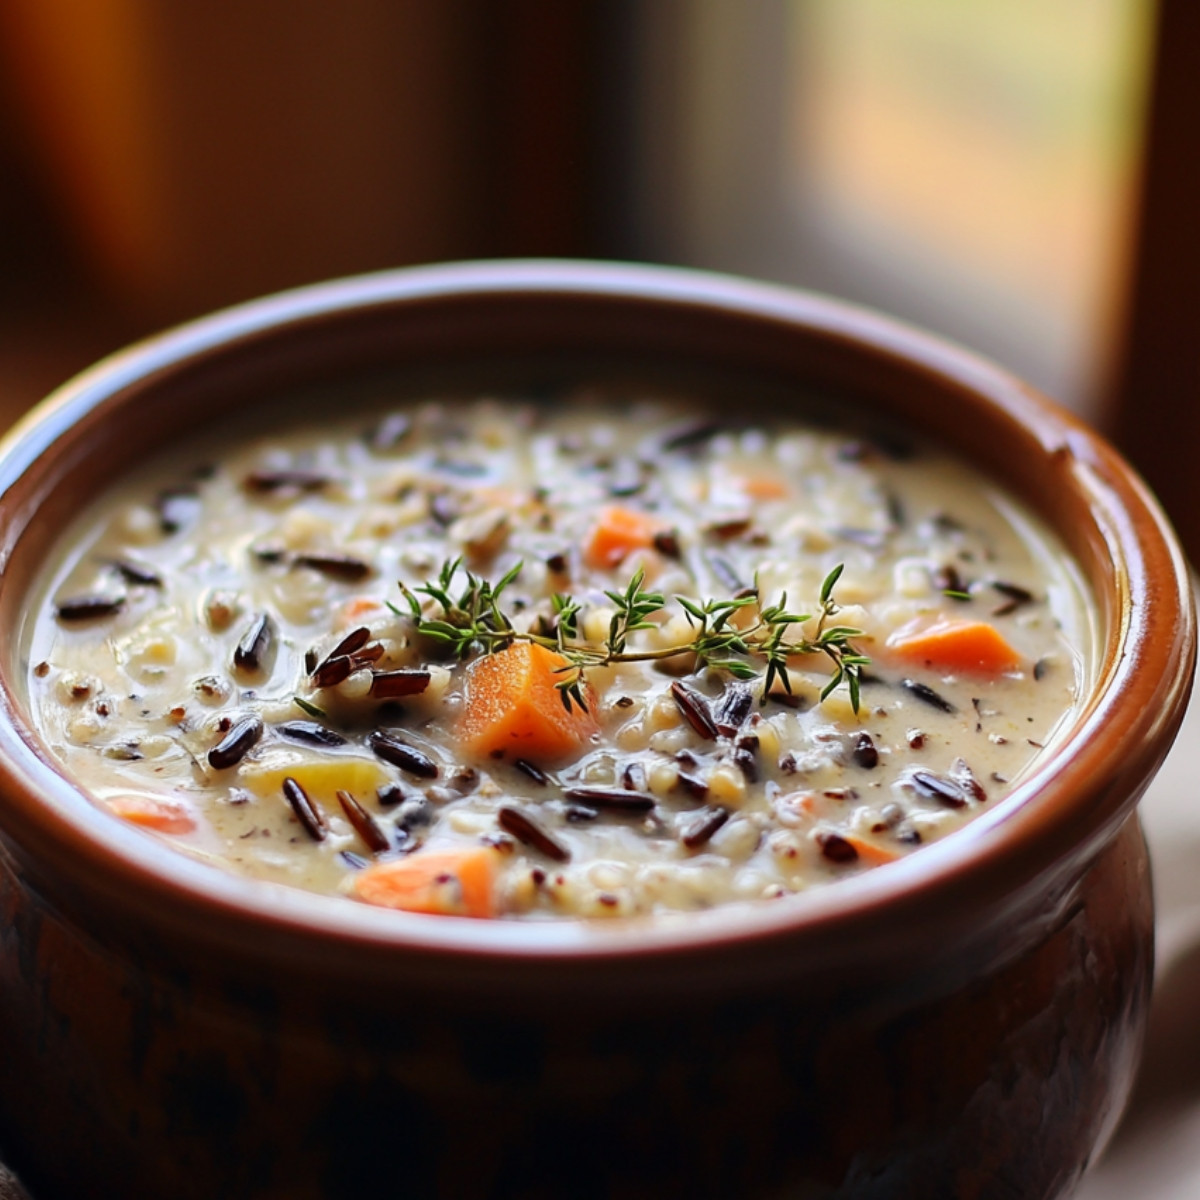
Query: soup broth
[(599, 658)]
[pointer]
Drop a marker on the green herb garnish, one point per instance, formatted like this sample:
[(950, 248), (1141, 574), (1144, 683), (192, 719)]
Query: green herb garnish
[(473, 622), (308, 707)]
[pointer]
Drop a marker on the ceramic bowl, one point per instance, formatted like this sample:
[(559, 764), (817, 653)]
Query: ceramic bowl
[(964, 1023)]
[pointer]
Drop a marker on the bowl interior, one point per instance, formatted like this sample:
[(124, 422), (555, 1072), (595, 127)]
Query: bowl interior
[(542, 327)]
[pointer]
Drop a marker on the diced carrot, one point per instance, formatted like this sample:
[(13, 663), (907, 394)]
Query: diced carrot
[(617, 533), (357, 608), (446, 883), (795, 807), (513, 706), (955, 645), (161, 814), (869, 852), (763, 487)]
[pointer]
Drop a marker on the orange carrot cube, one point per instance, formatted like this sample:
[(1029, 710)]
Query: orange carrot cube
[(617, 533), (955, 645), (444, 883), (160, 814), (514, 709)]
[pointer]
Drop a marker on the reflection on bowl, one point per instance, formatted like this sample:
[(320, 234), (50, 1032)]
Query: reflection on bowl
[(965, 1022)]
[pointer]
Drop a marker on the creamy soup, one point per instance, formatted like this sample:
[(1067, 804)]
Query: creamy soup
[(589, 659)]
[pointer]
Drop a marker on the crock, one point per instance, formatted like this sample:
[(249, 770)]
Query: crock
[(964, 1023)]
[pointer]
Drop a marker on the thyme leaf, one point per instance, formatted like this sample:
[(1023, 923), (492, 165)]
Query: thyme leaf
[(762, 642)]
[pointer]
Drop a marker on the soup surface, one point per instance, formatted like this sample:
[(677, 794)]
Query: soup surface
[(591, 659)]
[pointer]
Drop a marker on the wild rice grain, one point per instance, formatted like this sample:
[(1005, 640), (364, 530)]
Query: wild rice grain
[(136, 573), (394, 793), (266, 482), (533, 771), (354, 641), (865, 754), (364, 824), (610, 798), (667, 543), (256, 645), (368, 654), (390, 685), (633, 777), (747, 764), (735, 706), (690, 437), (236, 744), (695, 710), (525, 829), (176, 507), (307, 813), (402, 755), (332, 672), (927, 695), (965, 778), (87, 608), (835, 847), (311, 732), (698, 828), (936, 787), (344, 568)]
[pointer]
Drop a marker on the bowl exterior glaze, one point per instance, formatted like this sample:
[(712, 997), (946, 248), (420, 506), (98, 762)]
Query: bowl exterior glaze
[(964, 1023), (149, 1075)]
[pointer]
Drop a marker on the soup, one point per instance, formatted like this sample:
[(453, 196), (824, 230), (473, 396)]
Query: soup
[(606, 657)]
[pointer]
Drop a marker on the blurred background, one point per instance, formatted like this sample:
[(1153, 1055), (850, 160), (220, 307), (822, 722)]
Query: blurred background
[(1021, 175), (987, 169), (973, 167), (969, 166)]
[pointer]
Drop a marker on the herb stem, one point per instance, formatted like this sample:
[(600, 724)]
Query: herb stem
[(474, 623)]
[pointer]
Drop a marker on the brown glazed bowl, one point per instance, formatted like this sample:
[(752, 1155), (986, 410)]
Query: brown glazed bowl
[(964, 1023)]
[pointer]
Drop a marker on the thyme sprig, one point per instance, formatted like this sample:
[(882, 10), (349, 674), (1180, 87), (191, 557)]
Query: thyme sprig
[(472, 621), (475, 621)]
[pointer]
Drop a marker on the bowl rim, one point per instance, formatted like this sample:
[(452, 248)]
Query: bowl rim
[(1056, 820)]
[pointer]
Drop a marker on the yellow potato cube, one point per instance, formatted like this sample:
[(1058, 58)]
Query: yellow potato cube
[(319, 777)]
